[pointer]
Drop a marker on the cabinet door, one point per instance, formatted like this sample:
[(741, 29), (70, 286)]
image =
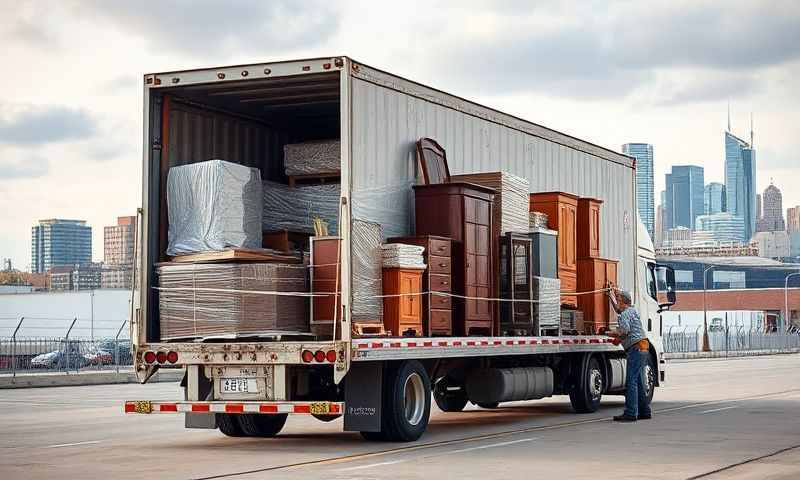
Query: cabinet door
[(567, 224), (410, 305), (477, 258), (594, 230)]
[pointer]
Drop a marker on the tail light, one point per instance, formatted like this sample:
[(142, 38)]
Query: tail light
[(319, 356), (161, 357), (149, 357), (172, 357), (331, 356), (307, 356)]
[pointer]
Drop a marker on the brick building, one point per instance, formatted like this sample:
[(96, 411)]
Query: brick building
[(118, 253)]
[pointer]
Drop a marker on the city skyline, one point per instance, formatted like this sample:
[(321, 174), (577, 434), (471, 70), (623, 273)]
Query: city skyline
[(645, 183)]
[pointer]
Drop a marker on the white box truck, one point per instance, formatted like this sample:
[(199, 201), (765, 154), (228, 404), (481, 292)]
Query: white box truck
[(382, 386)]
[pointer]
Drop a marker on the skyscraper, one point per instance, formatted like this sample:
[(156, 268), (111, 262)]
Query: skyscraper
[(56, 242), (685, 191), (118, 253), (740, 180), (714, 198), (758, 207), (793, 219), (772, 220), (645, 202)]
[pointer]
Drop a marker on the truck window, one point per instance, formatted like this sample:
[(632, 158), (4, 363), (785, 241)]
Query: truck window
[(650, 278)]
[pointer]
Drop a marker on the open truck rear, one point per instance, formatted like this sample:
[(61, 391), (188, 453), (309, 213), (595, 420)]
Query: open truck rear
[(382, 386)]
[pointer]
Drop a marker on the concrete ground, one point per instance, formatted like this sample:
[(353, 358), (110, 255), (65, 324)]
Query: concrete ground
[(717, 419)]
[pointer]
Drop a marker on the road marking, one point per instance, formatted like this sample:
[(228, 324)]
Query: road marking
[(719, 409), (91, 442)]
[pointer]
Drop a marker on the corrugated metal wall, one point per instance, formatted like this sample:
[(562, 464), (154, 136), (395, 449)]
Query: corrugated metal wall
[(386, 123)]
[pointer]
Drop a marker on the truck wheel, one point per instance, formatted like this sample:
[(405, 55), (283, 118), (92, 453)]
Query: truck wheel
[(489, 406), (228, 425), (649, 378), (325, 418), (407, 403), (449, 400), (261, 425), (588, 390)]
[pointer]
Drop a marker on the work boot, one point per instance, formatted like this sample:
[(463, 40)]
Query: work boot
[(647, 416), (624, 418)]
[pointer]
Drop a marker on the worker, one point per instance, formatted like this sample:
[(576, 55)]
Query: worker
[(631, 335)]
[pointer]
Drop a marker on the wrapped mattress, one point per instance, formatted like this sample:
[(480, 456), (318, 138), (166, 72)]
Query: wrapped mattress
[(231, 299), (213, 205), (312, 158), (294, 208)]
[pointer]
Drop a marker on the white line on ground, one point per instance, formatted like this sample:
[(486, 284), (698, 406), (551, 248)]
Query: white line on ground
[(91, 442), (719, 409)]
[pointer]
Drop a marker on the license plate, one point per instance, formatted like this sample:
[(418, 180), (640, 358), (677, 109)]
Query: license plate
[(239, 385), (319, 408)]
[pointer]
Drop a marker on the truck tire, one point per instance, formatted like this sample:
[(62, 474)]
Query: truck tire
[(261, 425), (649, 378), (228, 425), (406, 403), (489, 406), (449, 400), (588, 389)]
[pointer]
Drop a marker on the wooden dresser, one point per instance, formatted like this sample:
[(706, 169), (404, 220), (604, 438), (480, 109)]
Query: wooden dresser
[(402, 315), (596, 274), (562, 213), (324, 255), (463, 212), (588, 228), (437, 316)]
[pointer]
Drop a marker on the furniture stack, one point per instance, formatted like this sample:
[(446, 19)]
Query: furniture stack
[(403, 268), (594, 273), (562, 212)]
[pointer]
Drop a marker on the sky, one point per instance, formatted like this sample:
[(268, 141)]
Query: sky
[(611, 73)]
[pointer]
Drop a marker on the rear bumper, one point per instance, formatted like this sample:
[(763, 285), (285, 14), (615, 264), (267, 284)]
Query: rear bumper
[(307, 408)]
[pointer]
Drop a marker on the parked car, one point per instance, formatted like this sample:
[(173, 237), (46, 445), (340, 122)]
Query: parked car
[(60, 360), (99, 357), (46, 360), (121, 348)]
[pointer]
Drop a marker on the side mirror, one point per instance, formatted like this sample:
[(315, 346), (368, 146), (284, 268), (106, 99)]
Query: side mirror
[(666, 274)]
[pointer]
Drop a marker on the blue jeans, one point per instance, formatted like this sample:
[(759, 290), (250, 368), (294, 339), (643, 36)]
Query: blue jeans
[(635, 392)]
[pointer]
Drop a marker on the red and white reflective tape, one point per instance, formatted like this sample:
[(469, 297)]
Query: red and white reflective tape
[(479, 342), (322, 408)]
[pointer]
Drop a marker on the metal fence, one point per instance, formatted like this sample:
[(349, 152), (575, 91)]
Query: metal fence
[(730, 339), (20, 354)]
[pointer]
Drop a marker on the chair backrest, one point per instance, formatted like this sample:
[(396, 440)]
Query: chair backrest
[(433, 160)]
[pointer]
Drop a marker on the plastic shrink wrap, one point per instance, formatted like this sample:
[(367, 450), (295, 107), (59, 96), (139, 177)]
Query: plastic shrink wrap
[(367, 272), (213, 205), (312, 158), (511, 201), (207, 300), (294, 208), (401, 255), (547, 309)]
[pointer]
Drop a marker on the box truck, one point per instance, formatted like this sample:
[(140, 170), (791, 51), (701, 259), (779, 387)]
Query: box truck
[(383, 386)]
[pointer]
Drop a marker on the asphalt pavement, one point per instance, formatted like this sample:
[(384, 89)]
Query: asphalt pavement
[(736, 418)]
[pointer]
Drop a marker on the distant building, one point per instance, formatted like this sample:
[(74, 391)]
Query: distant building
[(728, 272), (79, 277), (685, 191), (118, 253), (794, 245), (56, 242), (773, 245), (724, 226), (714, 198), (758, 208), (645, 201), (772, 219), (740, 181), (793, 219), (677, 237)]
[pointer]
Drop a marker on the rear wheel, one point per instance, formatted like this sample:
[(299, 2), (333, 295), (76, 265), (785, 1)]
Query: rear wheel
[(406, 404), (489, 405), (228, 425), (449, 397), (649, 378), (588, 389), (261, 425)]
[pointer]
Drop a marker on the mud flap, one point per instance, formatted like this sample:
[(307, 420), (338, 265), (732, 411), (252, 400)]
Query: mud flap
[(363, 393)]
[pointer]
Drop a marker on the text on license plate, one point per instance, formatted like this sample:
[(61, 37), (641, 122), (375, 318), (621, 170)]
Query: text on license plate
[(239, 385)]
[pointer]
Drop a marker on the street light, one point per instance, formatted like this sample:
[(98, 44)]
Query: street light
[(706, 347), (786, 297)]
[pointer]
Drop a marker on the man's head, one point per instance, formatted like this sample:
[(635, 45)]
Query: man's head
[(623, 299)]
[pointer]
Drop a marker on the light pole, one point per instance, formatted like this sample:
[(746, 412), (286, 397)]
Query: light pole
[(786, 297), (706, 347)]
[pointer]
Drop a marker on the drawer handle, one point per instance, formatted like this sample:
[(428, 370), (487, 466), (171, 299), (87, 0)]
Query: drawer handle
[(442, 264), (441, 248), (445, 283)]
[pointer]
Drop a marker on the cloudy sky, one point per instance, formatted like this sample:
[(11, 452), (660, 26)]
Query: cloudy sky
[(662, 73)]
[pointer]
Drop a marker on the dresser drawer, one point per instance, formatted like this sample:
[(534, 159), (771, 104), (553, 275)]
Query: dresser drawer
[(437, 264), (441, 302), (440, 320), (438, 247), (439, 283)]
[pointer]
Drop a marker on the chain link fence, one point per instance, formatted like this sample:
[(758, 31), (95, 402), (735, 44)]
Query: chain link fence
[(730, 339)]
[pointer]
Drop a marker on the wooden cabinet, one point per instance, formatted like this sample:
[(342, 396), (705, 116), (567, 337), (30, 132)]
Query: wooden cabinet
[(588, 231), (436, 309), (402, 315), (596, 274), (324, 271), (463, 212), (562, 214)]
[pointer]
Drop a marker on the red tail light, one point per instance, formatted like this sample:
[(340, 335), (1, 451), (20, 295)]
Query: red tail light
[(161, 357), (319, 356), (307, 356), (172, 357), (331, 356), (149, 357)]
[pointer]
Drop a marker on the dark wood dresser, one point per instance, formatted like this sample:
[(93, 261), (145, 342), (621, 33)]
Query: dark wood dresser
[(437, 316), (463, 212)]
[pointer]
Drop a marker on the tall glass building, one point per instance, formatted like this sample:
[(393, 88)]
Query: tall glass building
[(685, 191), (645, 202), (740, 181), (56, 242), (724, 226), (714, 198)]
